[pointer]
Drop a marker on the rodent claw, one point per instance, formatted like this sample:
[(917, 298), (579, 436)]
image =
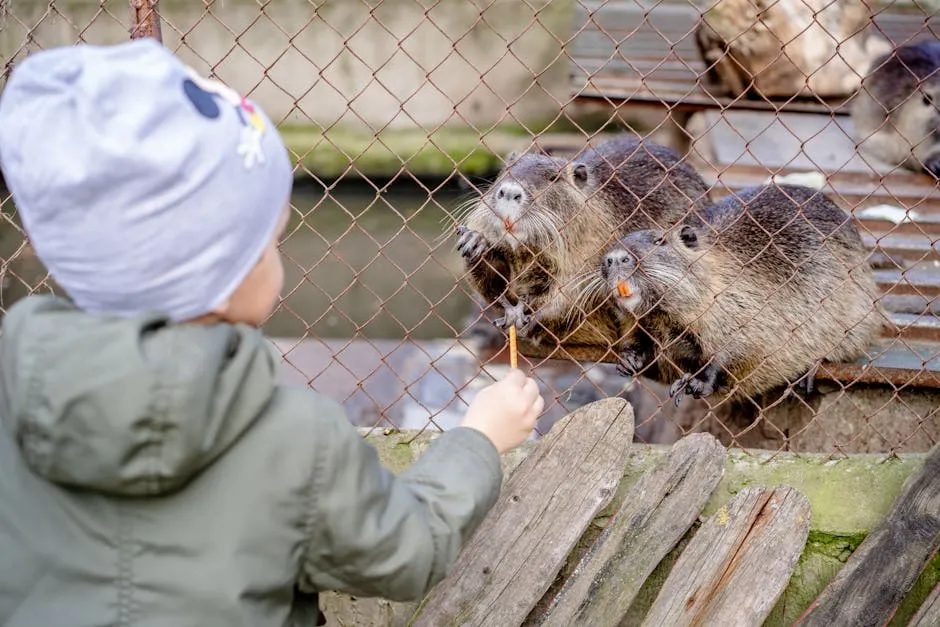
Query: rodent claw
[(471, 244), (699, 389), (631, 362), (808, 381), (679, 385), (528, 325), (514, 316)]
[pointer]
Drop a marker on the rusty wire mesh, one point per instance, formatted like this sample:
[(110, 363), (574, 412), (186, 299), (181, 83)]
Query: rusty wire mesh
[(399, 114)]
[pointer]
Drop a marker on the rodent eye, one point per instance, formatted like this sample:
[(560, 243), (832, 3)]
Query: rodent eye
[(659, 241), (928, 99), (688, 237)]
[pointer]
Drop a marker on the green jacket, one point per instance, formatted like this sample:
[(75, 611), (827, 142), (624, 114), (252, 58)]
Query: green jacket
[(157, 474)]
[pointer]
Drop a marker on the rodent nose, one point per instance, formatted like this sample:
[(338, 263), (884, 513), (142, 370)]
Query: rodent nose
[(619, 257), (510, 191)]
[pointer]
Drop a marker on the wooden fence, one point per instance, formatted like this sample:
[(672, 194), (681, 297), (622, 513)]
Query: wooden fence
[(732, 569)]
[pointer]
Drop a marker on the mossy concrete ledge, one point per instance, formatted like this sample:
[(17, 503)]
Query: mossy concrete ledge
[(849, 497), (341, 152)]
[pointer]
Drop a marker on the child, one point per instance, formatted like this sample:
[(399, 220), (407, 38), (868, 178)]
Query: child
[(152, 471)]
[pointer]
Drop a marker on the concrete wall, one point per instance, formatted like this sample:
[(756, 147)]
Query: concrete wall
[(369, 65)]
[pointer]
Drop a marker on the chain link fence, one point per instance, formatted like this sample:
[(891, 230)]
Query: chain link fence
[(401, 114)]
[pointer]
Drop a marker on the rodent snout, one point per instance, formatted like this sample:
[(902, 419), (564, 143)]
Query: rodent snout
[(510, 199), (511, 192)]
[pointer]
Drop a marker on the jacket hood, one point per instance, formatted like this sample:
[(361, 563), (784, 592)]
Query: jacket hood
[(127, 406)]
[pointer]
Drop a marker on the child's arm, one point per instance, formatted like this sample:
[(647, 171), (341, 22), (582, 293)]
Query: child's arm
[(374, 534)]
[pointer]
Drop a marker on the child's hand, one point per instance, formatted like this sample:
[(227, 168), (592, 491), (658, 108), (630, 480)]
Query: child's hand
[(505, 411)]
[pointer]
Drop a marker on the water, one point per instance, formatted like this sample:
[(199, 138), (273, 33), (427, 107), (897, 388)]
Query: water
[(358, 263), (375, 265)]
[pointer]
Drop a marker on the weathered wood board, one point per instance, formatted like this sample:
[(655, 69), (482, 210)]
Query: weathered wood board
[(655, 514), (738, 564), (929, 613), (544, 509), (874, 580)]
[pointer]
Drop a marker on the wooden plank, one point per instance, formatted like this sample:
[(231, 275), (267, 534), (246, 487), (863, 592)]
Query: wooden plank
[(544, 509), (912, 248), (738, 564), (908, 364), (874, 580), (853, 191), (796, 141), (620, 49), (656, 514), (929, 613)]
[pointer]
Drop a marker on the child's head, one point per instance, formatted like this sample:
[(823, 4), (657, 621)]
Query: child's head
[(143, 186)]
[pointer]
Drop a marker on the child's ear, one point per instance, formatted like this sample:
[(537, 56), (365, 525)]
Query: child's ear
[(222, 309)]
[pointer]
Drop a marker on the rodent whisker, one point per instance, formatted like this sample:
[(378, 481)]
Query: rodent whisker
[(588, 286)]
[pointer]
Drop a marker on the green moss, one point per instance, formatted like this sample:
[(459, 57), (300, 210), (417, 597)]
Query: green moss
[(919, 592), (837, 547), (394, 448), (848, 496), (438, 154)]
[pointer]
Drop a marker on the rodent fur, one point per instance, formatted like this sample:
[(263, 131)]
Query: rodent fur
[(533, 240), (774, 280), (896, 112)]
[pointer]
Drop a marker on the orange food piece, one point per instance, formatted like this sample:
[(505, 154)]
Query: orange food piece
[(513, 354), (623, 289)]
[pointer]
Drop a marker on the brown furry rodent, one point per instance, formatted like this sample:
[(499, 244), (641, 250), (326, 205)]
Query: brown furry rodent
[(773, 282), (533, 241), (896, 112)]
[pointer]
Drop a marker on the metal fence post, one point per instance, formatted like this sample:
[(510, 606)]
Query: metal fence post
[(146, 19)]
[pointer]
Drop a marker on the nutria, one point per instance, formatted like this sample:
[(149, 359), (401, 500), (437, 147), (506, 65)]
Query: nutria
[(896, 113), (785, 48), (773, 282), (533, 241)]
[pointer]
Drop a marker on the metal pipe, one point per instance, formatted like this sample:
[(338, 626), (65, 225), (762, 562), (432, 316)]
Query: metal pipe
[(146, 19)]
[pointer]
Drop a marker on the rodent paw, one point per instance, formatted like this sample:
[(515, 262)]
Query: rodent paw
[(698, 388), (515, 316), (631, 362), (807, 383), (529, 328), (471, 244), (678, 387), (693, 386)]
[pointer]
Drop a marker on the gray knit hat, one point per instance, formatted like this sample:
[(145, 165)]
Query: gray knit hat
[(142, 186)]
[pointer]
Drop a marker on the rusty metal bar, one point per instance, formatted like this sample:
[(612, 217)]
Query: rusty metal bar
[(898, 365), (146, 19)]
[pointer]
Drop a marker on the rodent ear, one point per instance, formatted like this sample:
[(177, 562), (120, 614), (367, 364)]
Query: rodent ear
[(579, 172), (513, 156), (688, 236)]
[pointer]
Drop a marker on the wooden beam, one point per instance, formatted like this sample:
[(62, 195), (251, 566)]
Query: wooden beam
[(881, 571), (656, 513), (544, 509), (738, 564), (894, 364)]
